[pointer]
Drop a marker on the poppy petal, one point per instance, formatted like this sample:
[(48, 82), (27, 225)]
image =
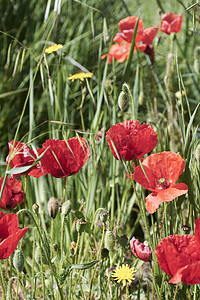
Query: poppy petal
[(155, 199), (8, 246), (189, 274), (164, 165), (130, 23), (175, 252), (129, 140)]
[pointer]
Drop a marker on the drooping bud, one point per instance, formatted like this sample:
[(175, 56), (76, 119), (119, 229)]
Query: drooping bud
[(35, 208), (18, 260), (80, 223), (140, 250), (124, 97), (38, 256), (53, 207), (109, 240), (103, 216), (104, 253), (66, 207)]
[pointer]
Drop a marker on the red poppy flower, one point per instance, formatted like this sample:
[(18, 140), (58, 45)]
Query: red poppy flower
[(144, 38), (12, 194), (119, 52), (129, 140), (10, 234), (179, 256), (23, 156), (171, 23), (64, 158), (140, 250), (161, 171)]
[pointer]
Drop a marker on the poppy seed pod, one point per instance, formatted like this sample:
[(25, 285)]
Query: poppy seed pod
[(109, 240), (18, 260), (53, 207), (66, 207)]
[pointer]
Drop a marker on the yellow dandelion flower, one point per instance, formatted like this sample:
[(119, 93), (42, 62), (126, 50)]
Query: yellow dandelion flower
[(53, 48), (124, 273), (81, 76)]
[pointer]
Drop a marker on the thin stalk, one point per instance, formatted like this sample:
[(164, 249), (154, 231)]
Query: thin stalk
[(113, 190), (2, 281), (162, 283), (162, 222), (101, 246), (175, 292), (141, 207)]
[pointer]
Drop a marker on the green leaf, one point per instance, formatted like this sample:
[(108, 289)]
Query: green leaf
[(19, 170), (128, 64), (84, 266)]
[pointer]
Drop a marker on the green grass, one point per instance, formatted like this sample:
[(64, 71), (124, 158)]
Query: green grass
[(38, 102)]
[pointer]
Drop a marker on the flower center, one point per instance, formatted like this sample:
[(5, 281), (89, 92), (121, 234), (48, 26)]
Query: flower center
[(163, 183)]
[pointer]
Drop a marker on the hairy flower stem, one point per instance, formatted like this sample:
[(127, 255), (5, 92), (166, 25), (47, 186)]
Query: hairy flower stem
[(162, 222), (113, 190), (92, 226), (175, 292), (98, 256), (45, 249), (2, 281), (162, 283), (141, 207)]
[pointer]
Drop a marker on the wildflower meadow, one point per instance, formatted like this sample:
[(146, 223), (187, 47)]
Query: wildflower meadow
[(100, 149)]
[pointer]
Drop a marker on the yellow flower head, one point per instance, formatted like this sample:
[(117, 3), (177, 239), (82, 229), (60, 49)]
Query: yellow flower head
[(124, 273), (53, 48), (178, 94), (81, 76)]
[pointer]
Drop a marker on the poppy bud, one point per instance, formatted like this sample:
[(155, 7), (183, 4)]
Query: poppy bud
[(103, 216), (80, 223), (123, 101), (35, 208), (185, 228), (38, 256), (66, 207), (109, 240), (104, 253), (18, 260), (53, 207), (140, 250), (197, 152), (123, 240)]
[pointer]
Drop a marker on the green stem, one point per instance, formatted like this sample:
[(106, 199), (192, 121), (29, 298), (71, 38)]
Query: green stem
[(2, 281), (113, 190), (162, 222), (175, 292), (142, 211)]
